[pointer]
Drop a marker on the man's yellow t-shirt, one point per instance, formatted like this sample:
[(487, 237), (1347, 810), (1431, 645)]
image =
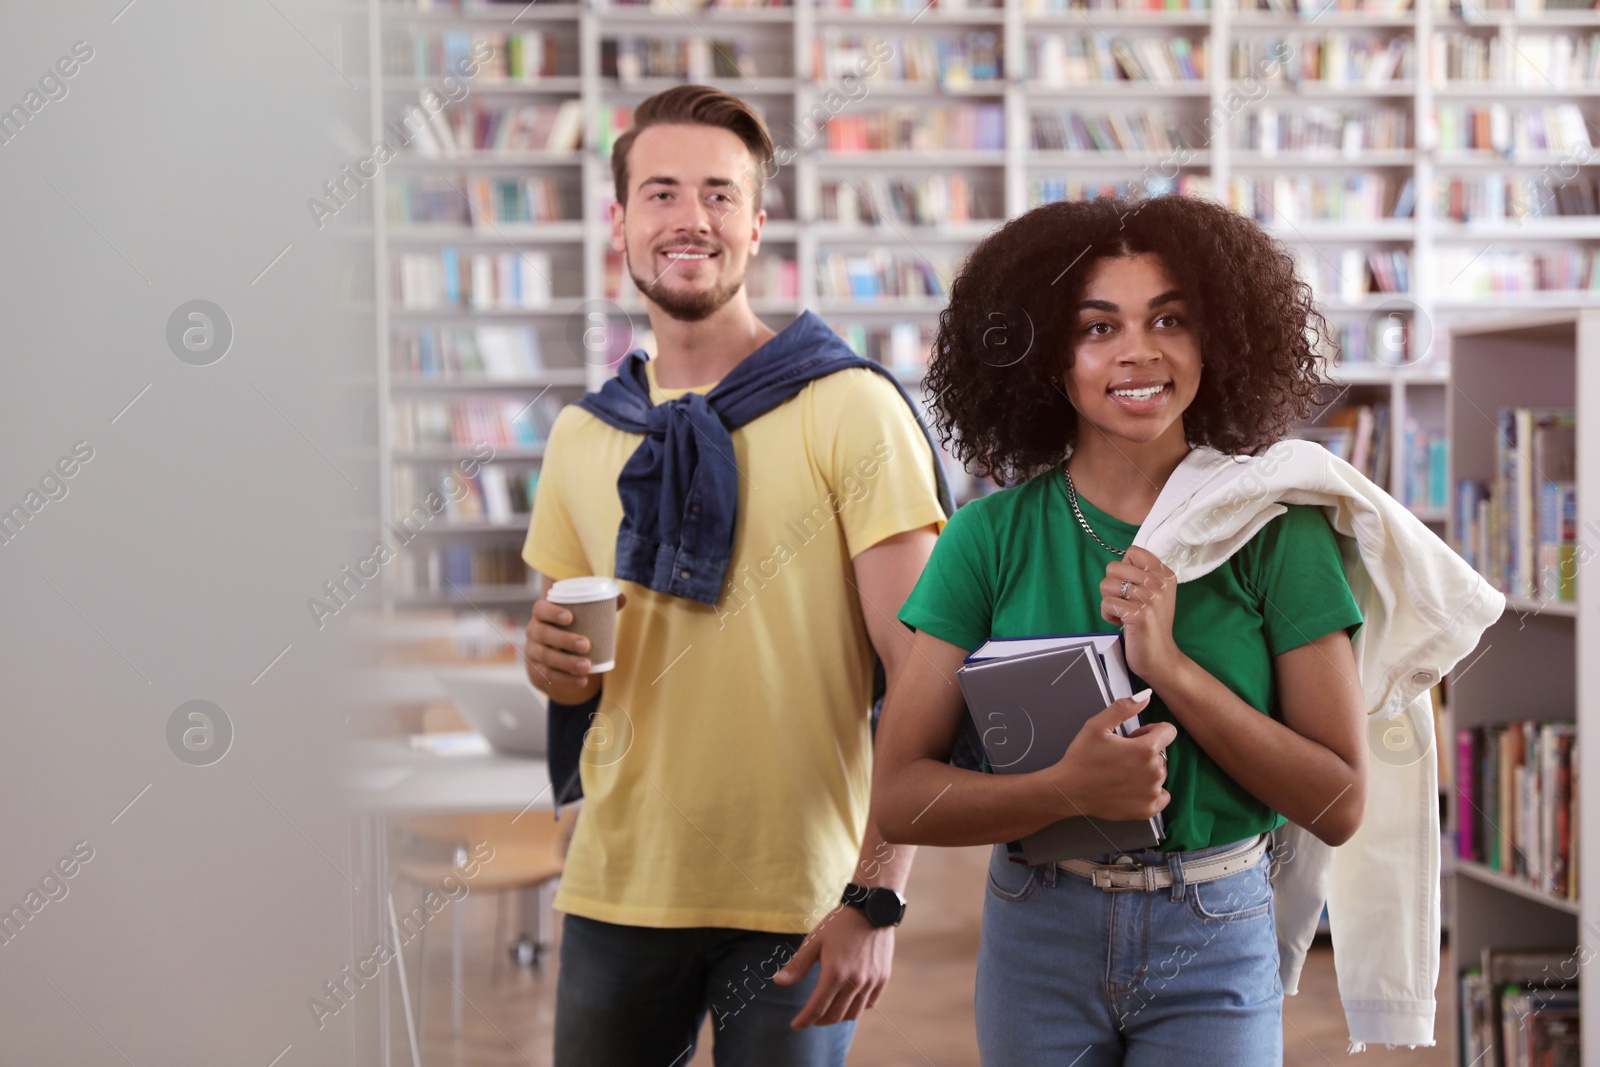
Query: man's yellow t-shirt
[(726, 776)]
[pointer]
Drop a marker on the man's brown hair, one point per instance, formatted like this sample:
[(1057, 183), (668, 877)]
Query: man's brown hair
[(698, 105)]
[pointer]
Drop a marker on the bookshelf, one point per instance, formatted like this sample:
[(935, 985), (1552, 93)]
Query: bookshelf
[(1538, 661), (974, 113)]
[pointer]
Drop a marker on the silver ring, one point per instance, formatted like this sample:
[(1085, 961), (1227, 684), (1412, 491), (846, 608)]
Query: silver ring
[(1125, 584)]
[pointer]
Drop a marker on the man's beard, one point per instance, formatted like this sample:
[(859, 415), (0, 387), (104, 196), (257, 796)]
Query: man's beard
[(685, 307)]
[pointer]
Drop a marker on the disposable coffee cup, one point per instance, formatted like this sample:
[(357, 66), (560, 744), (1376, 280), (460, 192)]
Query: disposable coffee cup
[(593, 603)]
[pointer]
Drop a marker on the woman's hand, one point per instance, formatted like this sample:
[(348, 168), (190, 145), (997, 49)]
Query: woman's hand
[(1139, 594), (1109, 776)]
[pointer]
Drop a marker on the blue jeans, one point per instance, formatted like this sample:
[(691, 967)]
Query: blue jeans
[(635, 996), (1071, 974)]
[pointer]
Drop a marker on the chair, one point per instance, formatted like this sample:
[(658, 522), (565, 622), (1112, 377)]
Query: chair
[(526, 856)]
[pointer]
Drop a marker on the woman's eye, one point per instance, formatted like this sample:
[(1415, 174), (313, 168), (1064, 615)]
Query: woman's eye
[(1094, 328), (1170, 320)]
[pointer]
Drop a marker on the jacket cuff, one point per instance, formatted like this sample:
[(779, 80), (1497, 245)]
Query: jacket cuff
[(1389, 1022)]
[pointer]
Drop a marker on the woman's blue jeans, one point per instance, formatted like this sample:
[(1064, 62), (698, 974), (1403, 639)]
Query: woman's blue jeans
[(1071, 974)]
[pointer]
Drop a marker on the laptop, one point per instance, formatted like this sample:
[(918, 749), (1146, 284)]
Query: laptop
[(508, 712)]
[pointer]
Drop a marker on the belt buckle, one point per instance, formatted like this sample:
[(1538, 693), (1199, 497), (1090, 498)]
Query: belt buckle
[(1100, 878)]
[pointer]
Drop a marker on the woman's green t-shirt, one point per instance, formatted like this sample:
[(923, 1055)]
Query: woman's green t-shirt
[(1017, 564)]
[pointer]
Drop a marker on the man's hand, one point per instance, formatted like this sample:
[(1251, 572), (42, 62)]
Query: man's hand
[(856, 959), (556, 659)]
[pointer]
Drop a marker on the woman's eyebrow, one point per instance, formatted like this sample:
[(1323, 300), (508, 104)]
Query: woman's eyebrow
[(1105, 305)]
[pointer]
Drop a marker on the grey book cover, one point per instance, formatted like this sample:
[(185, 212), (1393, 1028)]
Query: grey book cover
[(1028, 708)]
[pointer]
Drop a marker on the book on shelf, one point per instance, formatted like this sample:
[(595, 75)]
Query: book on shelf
[(1512, 128), (633, 59), (497, 493), (1324, 131), (1505, 197), (919, 127), (1463, 273), (1425, 483), (486, 127), (956, 60), (934, 200), (882, 273), (1517, 797), (517, 56), (1519, 1008), (1051, 188), (1352, 273), (503, 422), (1520, 531), (1029, 698), (1144, 129), (456, 569), (480, 280), (1535, 61), (1060, 59), (1303, 197), (1066, 7), (1332, 58), (1357, 434), (466, 353), (904, 347)]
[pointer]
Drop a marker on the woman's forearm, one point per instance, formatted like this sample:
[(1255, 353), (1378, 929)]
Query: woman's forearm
[(1307, 782), (926, 802)]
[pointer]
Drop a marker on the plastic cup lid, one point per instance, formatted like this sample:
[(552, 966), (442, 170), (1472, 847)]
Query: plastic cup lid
[(583, 590)]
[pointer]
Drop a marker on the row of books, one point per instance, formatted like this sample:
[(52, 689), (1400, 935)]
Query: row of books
[(1460, 275), (1517, 802), (498, 492), (926, 201), (1145, 129), (903, 347), (1315, 8), (1426, 480), (881, 273), (1056, 59), (1520, 530), (1519, 1008), (1499, 197), (1535, 61), (484, 127), (1323, 130), (1065, 7), (503, 422), (482, 199), (920, 128), (466, 353), (454, 569), (1357, 434), (1349, 274), (1050, 188), (1382, 340), (907, 7), (518, 56), (1323, 197), (1329, 58), (631, 59), (481, 280), (1555, 128), (956, 61)]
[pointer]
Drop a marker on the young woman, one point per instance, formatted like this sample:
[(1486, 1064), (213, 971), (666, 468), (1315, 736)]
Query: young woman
[(1088, 347)]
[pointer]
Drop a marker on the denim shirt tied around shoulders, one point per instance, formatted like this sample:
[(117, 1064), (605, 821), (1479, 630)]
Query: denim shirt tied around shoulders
[(680, 488)]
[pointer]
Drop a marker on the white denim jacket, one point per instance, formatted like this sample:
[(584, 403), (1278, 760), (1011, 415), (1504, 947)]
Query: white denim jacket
[(1424, 611)]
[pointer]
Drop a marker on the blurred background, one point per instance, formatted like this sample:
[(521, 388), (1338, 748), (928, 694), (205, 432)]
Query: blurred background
[(295, 290)]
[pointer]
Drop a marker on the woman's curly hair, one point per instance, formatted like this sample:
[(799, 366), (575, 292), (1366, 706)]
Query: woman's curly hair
[(1004, 340)]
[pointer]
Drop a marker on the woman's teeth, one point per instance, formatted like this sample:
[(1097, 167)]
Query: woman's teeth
[(1139, 394)]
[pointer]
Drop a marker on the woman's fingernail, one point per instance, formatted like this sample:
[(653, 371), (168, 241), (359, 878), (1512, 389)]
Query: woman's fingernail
[(1143, 695)]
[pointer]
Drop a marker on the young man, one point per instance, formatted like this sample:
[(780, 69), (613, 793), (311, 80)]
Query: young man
[(768, 533)]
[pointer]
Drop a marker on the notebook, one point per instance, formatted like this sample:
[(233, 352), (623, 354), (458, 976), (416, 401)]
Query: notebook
[(1029, 697)]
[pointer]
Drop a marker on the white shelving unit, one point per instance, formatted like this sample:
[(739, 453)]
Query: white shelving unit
[(1539, 661), (782, 41)]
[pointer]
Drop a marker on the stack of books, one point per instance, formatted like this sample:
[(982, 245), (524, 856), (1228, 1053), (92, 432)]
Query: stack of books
[(1517, 802), (466, 353), (1520, 531), (920, 128), (1519, 1008), (1057, 59), (481, 281)]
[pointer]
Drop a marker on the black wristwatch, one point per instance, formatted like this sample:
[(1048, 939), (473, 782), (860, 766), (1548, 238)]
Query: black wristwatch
[(882, 907)]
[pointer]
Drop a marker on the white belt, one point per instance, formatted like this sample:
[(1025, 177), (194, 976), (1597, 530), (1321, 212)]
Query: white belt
[(1127, 874)]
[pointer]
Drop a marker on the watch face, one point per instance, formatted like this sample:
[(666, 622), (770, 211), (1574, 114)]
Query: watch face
[(885, 907)]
